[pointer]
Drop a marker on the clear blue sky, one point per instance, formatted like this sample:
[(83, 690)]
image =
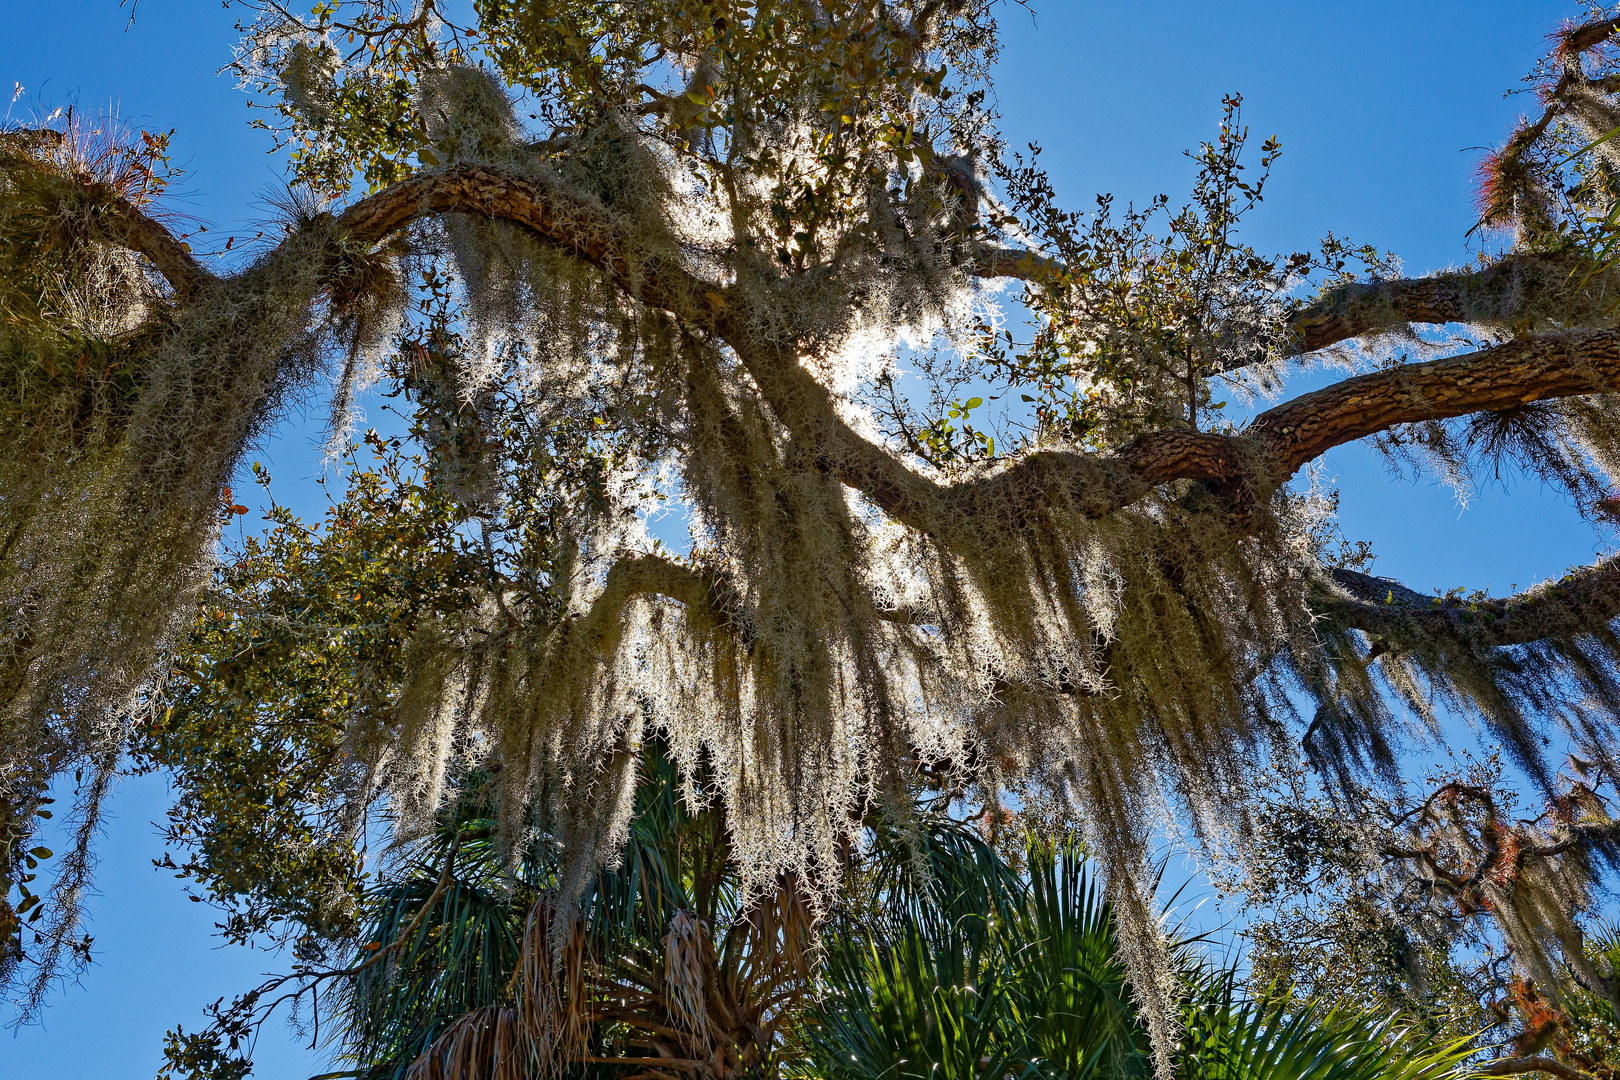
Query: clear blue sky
[(1381, 106)]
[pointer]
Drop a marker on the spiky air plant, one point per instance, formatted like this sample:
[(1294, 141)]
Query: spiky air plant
[(684, 262)]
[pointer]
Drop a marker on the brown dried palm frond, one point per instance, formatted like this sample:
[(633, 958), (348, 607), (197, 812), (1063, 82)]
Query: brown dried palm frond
[(484, 1045)]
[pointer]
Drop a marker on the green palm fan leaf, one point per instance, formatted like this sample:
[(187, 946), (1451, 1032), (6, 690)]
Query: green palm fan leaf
[(1232, 1037), (1072, 999), (449, 931), (940, 865), (927, 1004), (913, 977)]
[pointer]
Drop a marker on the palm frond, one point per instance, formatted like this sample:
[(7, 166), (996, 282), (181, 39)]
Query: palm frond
[(1229, 1036), (1072, 996)]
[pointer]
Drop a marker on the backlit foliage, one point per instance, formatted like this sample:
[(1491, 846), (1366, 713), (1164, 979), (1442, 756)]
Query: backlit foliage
[(1378, 901)]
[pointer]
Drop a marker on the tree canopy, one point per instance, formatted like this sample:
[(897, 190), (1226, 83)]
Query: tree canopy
[(763, 261)]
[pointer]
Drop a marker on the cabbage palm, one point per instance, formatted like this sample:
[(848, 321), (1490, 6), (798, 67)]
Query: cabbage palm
[(1072, 1003), (662, 965), (941, 962), (453, 927), (1036, 988), (1031, 984)]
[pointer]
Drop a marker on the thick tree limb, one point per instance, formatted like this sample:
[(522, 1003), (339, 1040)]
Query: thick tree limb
[(646, 577), (130, 228), (1283, 439), (1517, 292), (1348, 311), (728, 312), (1275, 446), (1530, 369), (1578, 39), (1360, 308), (1578, 603), (576, 225), (1514, 291)]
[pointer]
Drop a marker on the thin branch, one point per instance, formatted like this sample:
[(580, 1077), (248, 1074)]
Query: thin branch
[(1018, 263), (314, 978), (1521, 1065), (445, 877)]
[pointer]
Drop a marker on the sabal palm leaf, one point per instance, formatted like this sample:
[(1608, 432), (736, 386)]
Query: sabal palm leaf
[(448, 943), (1230, 1036), (689, 964), (916, 986), (1050, 997), (1070, 994), (939, 866), (926, 1006), (983, 974)]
